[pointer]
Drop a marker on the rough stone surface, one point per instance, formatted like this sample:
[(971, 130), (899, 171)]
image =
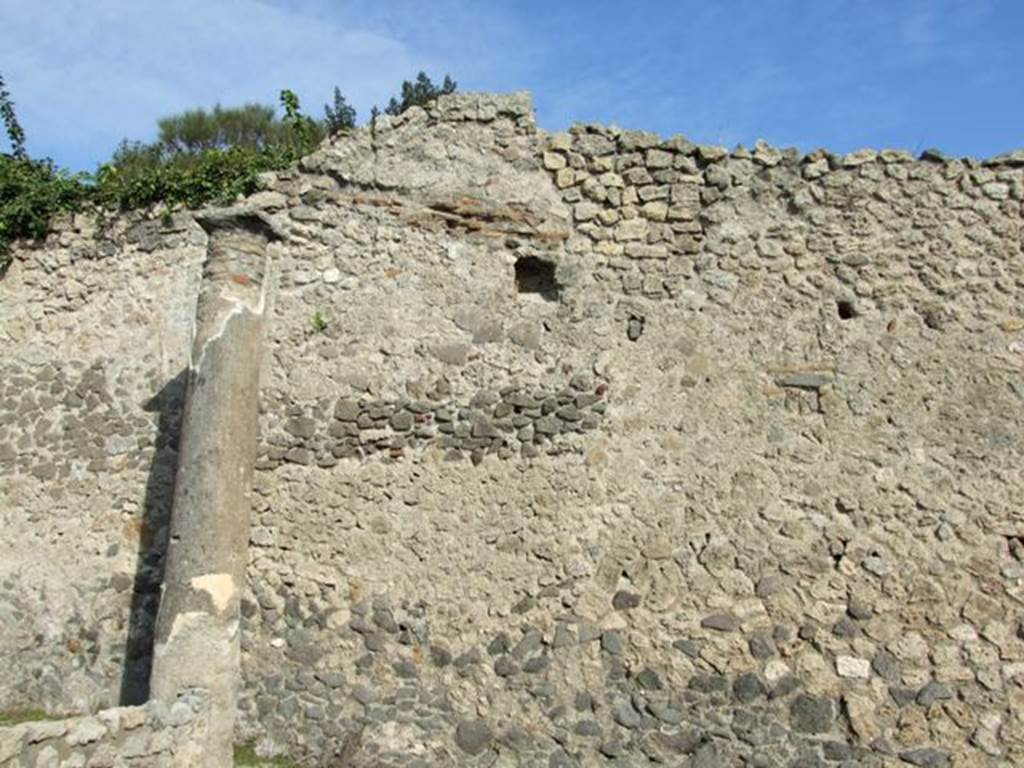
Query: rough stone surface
[(800, 407), (157, 735)]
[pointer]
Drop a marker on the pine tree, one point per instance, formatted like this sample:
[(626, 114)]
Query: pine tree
[(419, 93), (340, 117)]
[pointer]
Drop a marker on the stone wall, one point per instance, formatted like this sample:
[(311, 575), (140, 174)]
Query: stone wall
[(155, 735), (577, 449)]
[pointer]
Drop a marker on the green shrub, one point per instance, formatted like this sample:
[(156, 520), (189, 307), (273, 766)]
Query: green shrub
[(200, 157), (176, 170), (32, 191), (215, 176)]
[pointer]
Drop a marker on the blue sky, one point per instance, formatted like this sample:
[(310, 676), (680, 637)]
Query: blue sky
[(843, 74)]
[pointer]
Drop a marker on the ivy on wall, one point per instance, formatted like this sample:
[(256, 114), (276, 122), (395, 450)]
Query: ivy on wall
[(201, 157)]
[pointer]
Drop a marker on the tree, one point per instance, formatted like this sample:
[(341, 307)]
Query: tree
[(15, 133), (187, 138), (340, 117), (188, 133), (419, 93)]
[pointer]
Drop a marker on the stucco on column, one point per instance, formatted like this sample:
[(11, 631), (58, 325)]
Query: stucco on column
[(197, 640)]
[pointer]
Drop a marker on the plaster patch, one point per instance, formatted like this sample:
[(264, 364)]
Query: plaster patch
[(219, 586), (238, 306), (182, 622)]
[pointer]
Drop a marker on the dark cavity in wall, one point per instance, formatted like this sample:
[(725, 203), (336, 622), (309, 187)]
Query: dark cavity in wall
[(846, 309), (536, 276), (635, 327)]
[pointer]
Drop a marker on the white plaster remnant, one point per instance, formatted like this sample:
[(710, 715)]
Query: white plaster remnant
[(219, 586), (239, 305), (851, 666)]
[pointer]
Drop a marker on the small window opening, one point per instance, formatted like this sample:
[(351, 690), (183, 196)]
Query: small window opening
[(536, 276), (845, 309)]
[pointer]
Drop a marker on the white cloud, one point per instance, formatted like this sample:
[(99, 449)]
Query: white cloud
[(84, 76)]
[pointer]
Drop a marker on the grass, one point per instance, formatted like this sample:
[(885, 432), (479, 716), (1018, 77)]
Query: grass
[(18, 716), (245, 755)]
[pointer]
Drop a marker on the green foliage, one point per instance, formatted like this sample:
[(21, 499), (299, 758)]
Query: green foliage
[(196, 130), (17, 716), (215, 176), (187, 138), (31, 191), (13, 129), (302, 133), (319, 322), (245, 755), (419, 93), (340, 117), (200, 158)]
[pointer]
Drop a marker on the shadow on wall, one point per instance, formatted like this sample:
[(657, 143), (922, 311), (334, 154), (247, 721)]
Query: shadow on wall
[(156, 517)]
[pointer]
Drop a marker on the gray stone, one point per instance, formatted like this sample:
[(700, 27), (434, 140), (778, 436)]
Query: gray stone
[(569, 413), (536, 665), (885, 665), (484, 428), (845, 627), (932, 692), (708, 683), (364, 694), (564, 636), (406, 669), (506, 666), (748, 687), (761, 647), (624, 600), (721, 622), (688, 647), (611, 642), (302, 427), (589, 728), (468, 658), (548, 425), (625, 715), (926, 757), (811, 714), (665, 713), (440, 656), (528, 644), (473, 736), (649, 680), (402, 421)]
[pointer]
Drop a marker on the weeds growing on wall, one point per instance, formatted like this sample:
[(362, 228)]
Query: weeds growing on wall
[(17, 716), (200, 157), (189, 166), (31, 191)]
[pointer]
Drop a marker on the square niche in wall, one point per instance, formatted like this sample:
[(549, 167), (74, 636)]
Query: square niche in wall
[(535, 277)]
